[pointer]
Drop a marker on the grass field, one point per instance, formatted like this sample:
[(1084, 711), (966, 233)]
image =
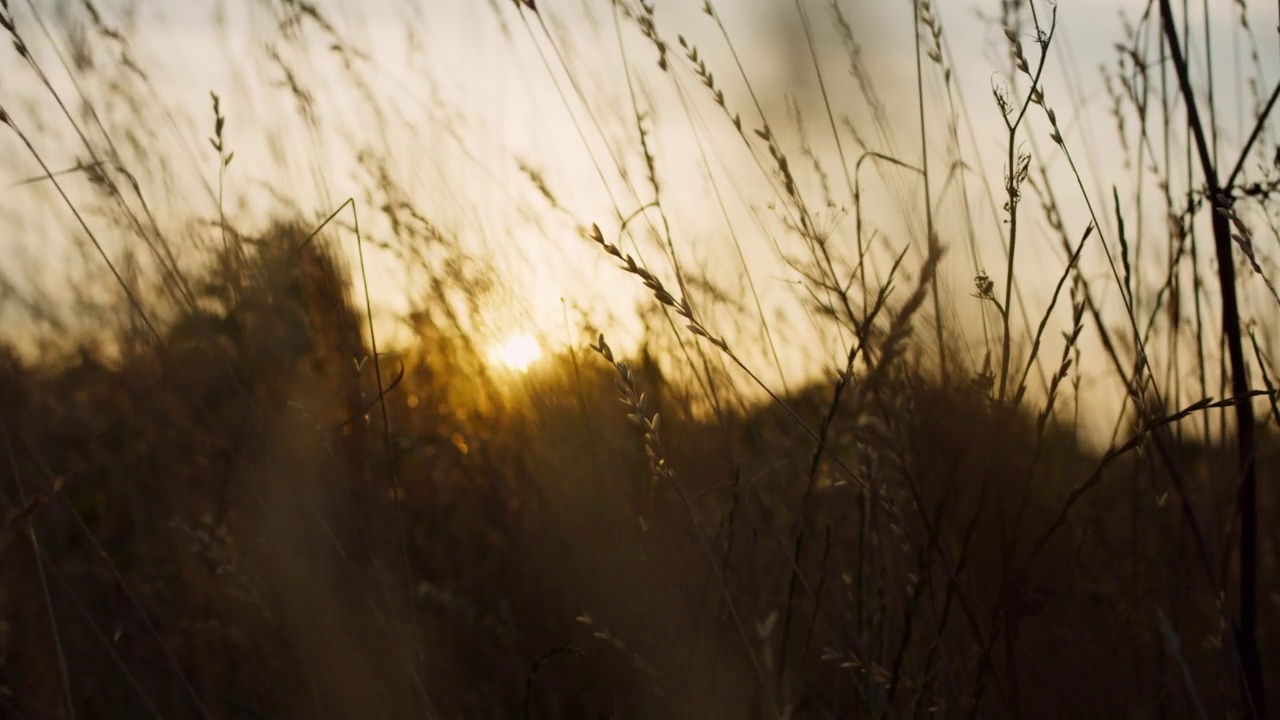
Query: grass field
[(812, 388)]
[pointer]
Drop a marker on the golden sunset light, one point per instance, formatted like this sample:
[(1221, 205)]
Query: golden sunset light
[(649, 359), (516, 353)]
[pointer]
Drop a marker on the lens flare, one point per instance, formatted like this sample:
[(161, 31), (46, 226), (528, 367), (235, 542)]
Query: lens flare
[(516, 353)]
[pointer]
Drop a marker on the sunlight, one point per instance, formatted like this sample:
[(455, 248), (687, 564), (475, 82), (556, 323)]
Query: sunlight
[(517, 353)]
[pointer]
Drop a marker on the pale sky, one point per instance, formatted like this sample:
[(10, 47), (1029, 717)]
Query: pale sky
[(472, 88)]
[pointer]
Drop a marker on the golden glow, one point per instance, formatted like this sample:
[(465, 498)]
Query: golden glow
[(517, 353)]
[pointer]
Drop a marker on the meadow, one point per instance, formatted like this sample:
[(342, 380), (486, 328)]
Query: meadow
[(788, 388)]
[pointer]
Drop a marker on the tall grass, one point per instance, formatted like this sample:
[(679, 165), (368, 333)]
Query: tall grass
[(901, 433)]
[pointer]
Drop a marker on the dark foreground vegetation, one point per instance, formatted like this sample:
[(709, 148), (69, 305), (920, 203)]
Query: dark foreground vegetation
[(218, 535)]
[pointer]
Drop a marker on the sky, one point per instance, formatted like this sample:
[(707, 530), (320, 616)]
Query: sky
[(464, 95)]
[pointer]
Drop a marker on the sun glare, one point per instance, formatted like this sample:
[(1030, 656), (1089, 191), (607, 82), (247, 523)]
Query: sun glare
[(517, 353)]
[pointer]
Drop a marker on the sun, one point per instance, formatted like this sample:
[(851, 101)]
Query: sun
[(516, 353)]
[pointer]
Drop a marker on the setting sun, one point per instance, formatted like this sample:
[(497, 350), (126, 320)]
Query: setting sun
[(516, 353)]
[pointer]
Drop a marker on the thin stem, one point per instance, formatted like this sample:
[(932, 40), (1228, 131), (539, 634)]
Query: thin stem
[(1246, 628)]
